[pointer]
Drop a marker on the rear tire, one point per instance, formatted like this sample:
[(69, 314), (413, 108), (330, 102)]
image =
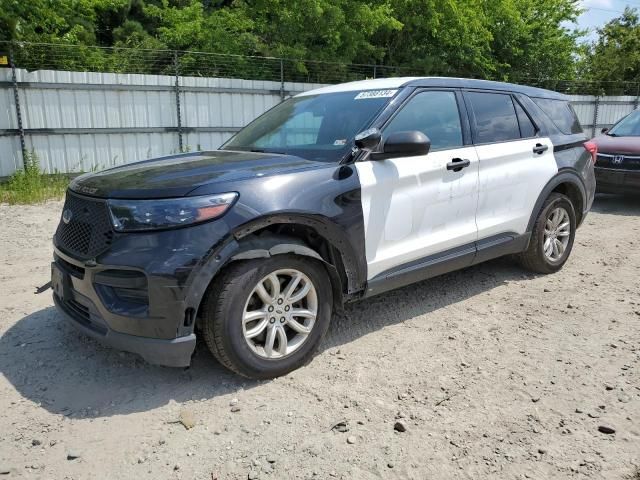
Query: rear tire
[(552, 237), (246, 326)]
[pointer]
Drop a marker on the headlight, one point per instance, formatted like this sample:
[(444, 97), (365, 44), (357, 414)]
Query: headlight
[(140, 215)]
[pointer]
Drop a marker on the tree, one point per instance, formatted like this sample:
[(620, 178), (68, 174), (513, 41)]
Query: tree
[(522, 40), (615, 57), (531, 41)]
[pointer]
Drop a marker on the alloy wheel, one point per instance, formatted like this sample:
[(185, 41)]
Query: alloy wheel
[(280, 313), (557, 232)]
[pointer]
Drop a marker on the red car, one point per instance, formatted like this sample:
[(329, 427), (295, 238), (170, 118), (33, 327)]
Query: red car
[(618, 162)]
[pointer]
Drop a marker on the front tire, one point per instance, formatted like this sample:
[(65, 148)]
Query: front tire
[(552, 237), (264, 318)]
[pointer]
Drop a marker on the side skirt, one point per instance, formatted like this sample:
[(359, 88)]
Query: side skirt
[(448, 261)]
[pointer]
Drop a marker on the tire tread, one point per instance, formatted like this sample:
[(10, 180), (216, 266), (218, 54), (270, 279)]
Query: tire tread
[(532, 257), (212, 309)]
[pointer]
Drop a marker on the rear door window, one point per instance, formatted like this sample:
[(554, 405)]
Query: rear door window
[(527, 128), (561, 114), (495, 117)]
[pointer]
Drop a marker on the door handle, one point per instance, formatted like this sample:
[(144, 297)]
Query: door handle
[(457, 164), (540, 149)]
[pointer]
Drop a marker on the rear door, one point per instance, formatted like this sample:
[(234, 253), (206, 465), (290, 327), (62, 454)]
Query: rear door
[(515, 162), (415, 207)]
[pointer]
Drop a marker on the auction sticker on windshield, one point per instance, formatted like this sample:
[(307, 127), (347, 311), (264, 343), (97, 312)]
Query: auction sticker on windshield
[(375, 94)]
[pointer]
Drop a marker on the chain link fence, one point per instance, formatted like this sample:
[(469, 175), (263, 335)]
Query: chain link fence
[(82, 107), (44, 56)]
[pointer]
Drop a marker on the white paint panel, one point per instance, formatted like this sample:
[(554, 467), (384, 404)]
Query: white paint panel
[(414, 207), (511, 179), (379, 83)]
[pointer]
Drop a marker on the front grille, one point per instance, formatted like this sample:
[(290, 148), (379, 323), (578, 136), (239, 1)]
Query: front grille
[(81, 314), (85, 228), (80, 310), (618, 161)]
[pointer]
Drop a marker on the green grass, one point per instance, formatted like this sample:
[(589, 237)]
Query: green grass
[(32, 185)]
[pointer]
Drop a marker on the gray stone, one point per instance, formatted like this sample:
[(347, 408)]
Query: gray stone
[(351, 439), (72, 455), (624, 398), (400, 426), (606, 429)]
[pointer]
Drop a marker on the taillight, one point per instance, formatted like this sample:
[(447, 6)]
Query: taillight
[(592, 148)]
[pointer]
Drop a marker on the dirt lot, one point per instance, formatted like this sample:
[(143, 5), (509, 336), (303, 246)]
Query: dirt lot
[(495, 373)]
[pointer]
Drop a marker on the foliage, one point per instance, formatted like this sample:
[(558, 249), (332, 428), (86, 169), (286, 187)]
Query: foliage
[(504, 39), (615, 57), (32, 185)]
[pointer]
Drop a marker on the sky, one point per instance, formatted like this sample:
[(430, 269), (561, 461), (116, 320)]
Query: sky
[(599, 12)]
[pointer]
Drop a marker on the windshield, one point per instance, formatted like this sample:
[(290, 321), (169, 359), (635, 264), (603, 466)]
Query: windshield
[(314, 127), (627, 127)]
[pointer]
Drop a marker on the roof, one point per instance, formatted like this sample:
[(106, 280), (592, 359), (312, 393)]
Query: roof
[(443, 82)]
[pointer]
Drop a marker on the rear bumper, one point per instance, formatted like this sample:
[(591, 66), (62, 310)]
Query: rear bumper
[(171, 353), (609, 180)]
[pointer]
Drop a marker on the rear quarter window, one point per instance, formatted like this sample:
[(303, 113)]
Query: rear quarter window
[(561, 114)]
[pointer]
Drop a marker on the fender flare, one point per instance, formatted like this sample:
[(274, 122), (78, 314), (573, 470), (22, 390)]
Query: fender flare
[(565, 176), (355, 267), (240, 245)]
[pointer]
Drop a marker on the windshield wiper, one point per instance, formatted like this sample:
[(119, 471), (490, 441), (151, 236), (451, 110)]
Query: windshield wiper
[(262, 150), (611, 134)]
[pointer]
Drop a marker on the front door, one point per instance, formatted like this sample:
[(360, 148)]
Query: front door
[(415, 207)]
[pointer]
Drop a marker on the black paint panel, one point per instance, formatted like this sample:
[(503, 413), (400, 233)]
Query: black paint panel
[(182, 175), (180, 263)]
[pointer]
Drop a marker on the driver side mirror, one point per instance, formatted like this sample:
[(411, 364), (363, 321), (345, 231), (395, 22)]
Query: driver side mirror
[(403, 144), (368, 140), (604, 130)]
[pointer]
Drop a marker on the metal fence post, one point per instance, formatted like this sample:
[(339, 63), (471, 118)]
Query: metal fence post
[(281, 79), (637, 100), (375, 71), (16, 97), (177, 90), (596, 107)]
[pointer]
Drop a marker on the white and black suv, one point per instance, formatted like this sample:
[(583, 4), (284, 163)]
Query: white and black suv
[(332, 196)]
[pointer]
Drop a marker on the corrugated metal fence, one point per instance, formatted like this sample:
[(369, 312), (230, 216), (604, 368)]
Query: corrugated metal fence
[(82, 121)]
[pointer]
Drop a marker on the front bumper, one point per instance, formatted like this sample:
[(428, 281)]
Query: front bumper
[(142, 293), (611, 180), (171, 353)]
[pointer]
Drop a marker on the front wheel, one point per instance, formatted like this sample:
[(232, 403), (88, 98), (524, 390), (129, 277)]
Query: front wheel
[(266, 317), (552, 237)]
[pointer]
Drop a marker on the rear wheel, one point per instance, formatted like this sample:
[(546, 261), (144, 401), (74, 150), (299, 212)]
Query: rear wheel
[(552, 237), (266, 317)]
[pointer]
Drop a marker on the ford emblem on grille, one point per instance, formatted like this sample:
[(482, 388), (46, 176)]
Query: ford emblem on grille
[(67, 215), (618, 159)]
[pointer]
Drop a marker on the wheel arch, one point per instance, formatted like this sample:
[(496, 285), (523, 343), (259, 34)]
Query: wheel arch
[(305, 235), (568, 183)]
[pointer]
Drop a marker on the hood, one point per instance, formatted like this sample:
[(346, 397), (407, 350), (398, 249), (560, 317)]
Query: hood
[(178, 175), (621, 145)]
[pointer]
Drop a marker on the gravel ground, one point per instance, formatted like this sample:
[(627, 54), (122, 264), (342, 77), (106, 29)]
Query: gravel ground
[(485, 373)]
